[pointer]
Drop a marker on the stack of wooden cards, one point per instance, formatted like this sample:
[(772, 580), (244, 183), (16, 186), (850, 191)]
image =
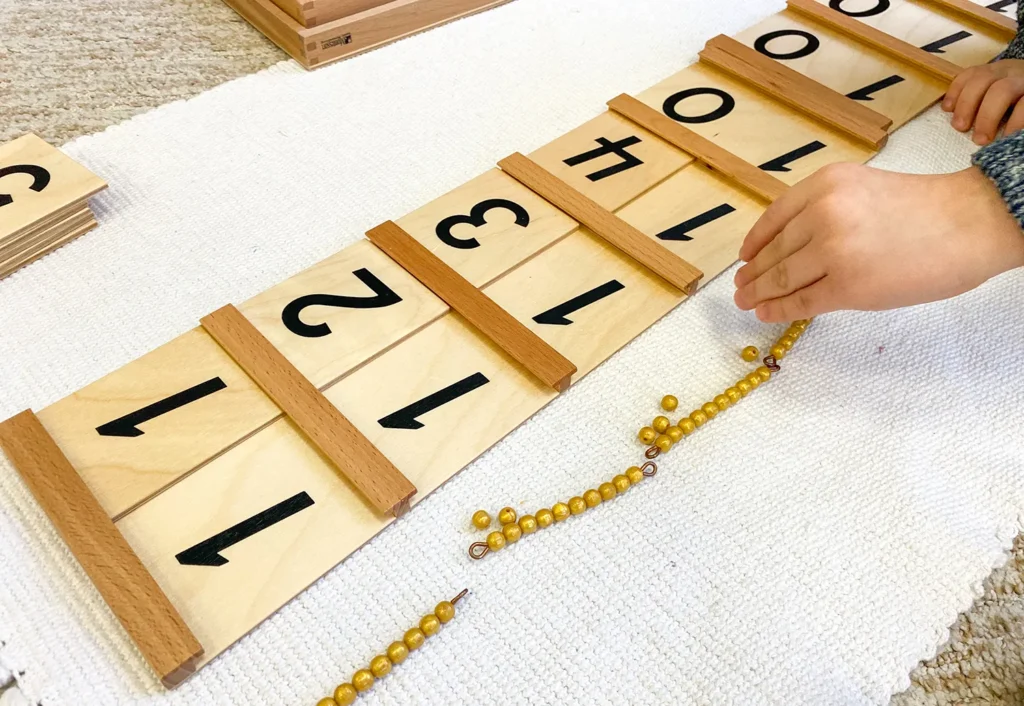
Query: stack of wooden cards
[(44, 201)]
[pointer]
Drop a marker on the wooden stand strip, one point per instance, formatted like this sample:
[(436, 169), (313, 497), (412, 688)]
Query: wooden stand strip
[(507, 332), (128, 588), (648, 252), (337, 438), (926, 61), (742, 172), (1003, 25), (797, 91)]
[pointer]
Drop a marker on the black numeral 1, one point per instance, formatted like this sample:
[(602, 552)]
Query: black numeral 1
[(406, 418), (681, 231), (556, 316), (127, 426), (939, 45), (781, 163)]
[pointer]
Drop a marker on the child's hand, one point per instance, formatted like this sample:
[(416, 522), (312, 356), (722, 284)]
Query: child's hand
[(982, 95), (853, 237)]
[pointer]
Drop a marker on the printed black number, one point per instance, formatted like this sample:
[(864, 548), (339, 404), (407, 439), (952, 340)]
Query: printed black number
[(406, 418), (608, 147), (208, 552), (382, 296), (782, 162), (556, 316), (880, 7), (476, 218), (811, 44), (867, 93), (939, 45), (127, 426), (1001, 5), (682, 231), (40, 179), (671, 105)]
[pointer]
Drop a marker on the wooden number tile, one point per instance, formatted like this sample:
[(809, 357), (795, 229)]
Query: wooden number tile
[(610, 160), (37, 181), (487, 226), (141, 428), (77, 226), (870, 77), (342, 312), (699, 215), (949, 37), (243, 535), (585, 297), (993, 20), (750, 125)]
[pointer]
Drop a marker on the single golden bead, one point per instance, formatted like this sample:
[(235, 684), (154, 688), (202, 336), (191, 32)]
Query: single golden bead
[(592, 498), (444, 611), (664, 443), (744, 387), (794, 331), (687, 426), (397, 652), (634, 475), (753, 380), (669, 403), (674, 433), (545, 518), (710, 409), (607, 491), (621, 483), (660, 424), (512, 533), (560, 511), (481, 520), (764, 373), (380, 666), (327, 701), (429, 624), (749, 354), (722, 402), (734, 395), (698, 418), (577, 505), (528, 524), (647, 436), (363, 680), (496, 541), (413, 638), (778, 351), (787, 341), (507, 516), (345, 694)]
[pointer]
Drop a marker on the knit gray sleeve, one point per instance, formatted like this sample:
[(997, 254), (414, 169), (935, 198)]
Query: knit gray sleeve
[(1016, 48)]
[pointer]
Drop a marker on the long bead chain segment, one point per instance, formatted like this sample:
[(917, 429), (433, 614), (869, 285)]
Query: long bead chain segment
[(380, 666), (514, 528), (663, 435)]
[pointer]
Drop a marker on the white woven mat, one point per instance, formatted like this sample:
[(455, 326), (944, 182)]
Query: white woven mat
[(809, 547)]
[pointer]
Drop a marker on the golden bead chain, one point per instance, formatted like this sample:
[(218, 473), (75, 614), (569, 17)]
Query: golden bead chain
[(660, 436), (380, 666)]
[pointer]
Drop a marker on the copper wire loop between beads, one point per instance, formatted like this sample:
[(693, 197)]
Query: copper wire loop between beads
[(478, 550), (649, 469), (652, 452), (771, 363), (462, 594)]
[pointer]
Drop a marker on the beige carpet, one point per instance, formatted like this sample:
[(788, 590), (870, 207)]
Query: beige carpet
[(74, 67)]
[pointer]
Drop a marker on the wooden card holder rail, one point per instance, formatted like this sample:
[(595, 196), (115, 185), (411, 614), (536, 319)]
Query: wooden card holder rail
[(915, 56), (755, 180), (507, 332), (605, 224), (132, 593), (1004, 26), (797, 91), (311, 13), (387, 489)]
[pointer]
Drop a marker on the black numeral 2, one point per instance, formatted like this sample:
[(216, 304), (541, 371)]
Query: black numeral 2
[(382, 296), (208, 552), (127, 426), (476, 218), (406, 418)]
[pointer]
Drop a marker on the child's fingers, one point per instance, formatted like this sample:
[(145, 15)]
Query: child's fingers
[(969, 100), (955, 88), (791, 239), (806, 303), (1000, 96), (802, 268), (777, 216), (1016, 121)]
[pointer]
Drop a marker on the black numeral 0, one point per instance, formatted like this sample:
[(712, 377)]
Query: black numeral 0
[(880, 7), (810, 46), (671, 105)]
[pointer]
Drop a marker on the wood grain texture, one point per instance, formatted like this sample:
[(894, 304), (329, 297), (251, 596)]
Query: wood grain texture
[(670, 267), (743, 173), (1003, 25), (133, 595), (524, 346), (797, 91), (358, 460), (311, 13), (915, 56)]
